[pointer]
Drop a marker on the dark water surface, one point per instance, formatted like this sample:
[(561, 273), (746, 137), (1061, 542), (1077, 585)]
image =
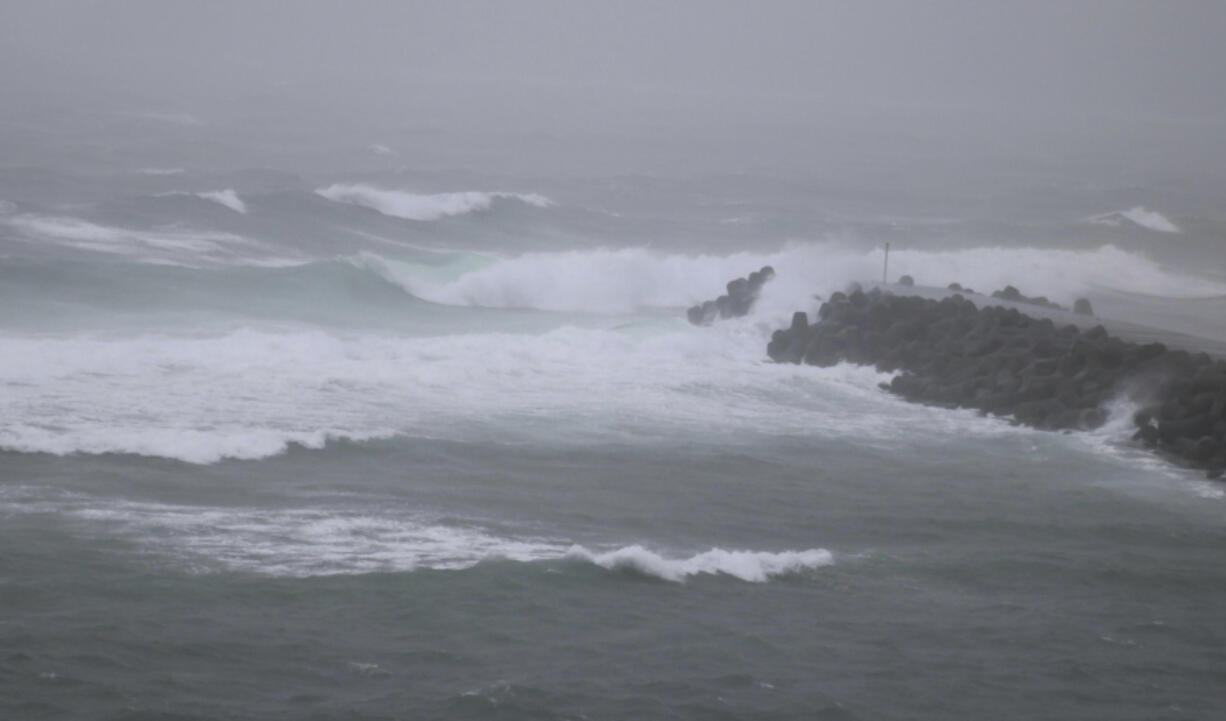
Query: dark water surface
[(460, 457), (958, 589)]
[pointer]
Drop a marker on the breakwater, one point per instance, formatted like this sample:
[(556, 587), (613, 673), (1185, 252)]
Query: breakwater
[(1003, 362), (737, 302)]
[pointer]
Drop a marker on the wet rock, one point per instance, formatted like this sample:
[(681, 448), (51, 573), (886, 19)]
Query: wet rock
[(1082, 306), (1014, 295), (742, 293), (1003, 362)]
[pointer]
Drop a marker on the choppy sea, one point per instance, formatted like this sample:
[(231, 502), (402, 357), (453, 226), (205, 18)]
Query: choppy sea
[(406, 447)]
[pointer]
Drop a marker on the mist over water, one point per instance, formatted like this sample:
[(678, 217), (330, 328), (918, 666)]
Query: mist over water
[(345, 370)]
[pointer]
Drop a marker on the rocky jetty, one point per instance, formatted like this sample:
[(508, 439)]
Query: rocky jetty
[(1004, 362), (1081, 306), (742, 292), (1014, 295)]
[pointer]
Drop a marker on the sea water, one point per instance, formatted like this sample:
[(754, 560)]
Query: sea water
[(366, 449)]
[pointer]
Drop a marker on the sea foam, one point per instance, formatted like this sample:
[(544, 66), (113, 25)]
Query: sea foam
[(413, 206), (251, 394), (302, 542), (751, 566)]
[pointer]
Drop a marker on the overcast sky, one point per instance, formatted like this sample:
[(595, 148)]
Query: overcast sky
[(628, 66)]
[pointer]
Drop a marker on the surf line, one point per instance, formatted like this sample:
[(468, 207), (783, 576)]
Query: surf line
[(1001, 361)]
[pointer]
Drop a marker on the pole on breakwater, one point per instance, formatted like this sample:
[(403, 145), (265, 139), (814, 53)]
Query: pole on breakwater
[(886, 265)]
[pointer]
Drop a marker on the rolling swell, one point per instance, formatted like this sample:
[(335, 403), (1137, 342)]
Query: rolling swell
[(79, 292)]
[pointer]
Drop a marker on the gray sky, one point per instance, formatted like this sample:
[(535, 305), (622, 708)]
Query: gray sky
[(651, 70)]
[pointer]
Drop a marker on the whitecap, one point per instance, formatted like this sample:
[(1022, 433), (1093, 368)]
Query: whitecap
[(227, 198), (623, 280), (750, 566), (414, 206), (1140, 216)]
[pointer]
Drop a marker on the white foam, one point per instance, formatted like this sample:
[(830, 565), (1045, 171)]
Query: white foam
[(202, 445), (412, 206), (248, 394), (751, 566), (227, 198), (1139, 215), (618, 281), (384, 150), (294, 542), (302, 542), (92, 236), (172, 244)]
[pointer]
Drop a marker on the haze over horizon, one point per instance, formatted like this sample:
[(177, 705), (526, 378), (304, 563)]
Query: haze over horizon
[(630, 87)]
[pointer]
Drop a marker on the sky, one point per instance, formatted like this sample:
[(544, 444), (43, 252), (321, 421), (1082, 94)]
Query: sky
[(646, 75)]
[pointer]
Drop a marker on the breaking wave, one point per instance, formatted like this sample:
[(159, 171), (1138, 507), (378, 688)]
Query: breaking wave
[(412, 206), (617, 281), (750, 566), (304, 542), (1140, 216), (251, 395), (227, 198), (190, 445)]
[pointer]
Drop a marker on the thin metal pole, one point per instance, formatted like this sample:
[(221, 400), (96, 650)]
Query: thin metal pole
[(885, 266)]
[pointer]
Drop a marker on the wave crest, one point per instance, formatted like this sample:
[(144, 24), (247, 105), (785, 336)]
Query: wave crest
[(750, 566), (412, 206), (623, 280), (227, 198), (1139, 215), (314, 541), (190, 445)]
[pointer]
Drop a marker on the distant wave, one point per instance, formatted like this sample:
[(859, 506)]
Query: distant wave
[(174, 244), (227, 198), (191, 445), (109, 239), (1139, 215), (617, 281), (411, 206), (751, 566)]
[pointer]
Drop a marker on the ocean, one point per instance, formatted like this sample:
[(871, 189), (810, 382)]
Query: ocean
[(443, 446)]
